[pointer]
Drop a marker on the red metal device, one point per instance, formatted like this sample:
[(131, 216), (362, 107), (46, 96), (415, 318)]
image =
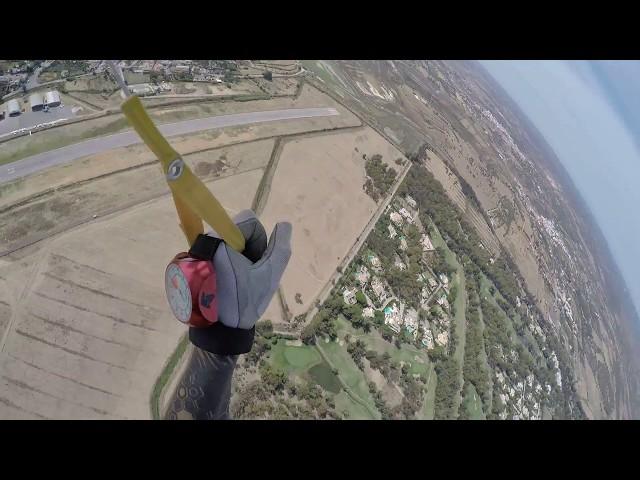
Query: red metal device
[(190, 284)]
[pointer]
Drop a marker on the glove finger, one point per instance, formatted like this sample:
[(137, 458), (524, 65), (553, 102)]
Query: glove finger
[(254, 234), (231, 284), (243, 215), (265, 275), (245, 288)]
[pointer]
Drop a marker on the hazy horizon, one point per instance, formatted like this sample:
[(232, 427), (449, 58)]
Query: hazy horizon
[(589, 113)]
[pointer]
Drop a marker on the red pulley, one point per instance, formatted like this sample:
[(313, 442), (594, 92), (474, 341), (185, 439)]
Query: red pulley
[(190, 284)]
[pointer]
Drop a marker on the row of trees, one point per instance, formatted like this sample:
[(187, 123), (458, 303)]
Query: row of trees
[(461, 238), (474, 369)]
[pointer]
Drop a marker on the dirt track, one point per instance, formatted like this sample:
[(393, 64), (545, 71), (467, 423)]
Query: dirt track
[(89, 331)]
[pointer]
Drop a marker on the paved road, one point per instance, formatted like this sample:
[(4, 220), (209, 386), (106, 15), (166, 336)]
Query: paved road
[(32, 81), (72, 152)]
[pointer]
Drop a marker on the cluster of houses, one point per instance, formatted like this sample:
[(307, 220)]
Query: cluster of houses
[(523, 396), (398, 218), (213, 72), (370, 279)]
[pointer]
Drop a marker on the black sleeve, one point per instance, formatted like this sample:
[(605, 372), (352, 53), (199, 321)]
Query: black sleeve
[(204, 391), (222, 340)]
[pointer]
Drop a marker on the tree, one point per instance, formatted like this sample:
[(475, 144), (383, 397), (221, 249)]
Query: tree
[(274, 379), (366, 324), (380, 177), (360, 297), (267, 75), (264, 328)]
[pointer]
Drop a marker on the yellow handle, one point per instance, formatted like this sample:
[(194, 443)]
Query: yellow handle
[(194, 202)]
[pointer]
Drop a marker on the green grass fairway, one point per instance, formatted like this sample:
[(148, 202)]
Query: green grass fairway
[(349, 373), (472, 401), (428, 405), (373, 341), (352, 410), (323, 376), (293, 359)]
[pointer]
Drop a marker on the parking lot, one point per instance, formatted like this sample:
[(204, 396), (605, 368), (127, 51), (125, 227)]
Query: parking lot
[(29, 119)]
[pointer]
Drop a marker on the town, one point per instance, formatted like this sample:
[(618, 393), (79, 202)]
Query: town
[(40, 94)]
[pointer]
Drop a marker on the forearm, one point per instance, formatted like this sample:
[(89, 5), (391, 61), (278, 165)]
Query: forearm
[(204, 391)]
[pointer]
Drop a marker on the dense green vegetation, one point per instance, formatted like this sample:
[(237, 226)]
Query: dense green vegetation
[(474, 368), (448, 385), (380, 177), (460, 236)]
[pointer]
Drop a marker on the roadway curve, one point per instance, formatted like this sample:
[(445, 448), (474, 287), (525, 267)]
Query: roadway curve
[(69, 153)]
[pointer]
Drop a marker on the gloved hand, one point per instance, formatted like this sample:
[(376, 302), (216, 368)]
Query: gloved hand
[(246, 283)]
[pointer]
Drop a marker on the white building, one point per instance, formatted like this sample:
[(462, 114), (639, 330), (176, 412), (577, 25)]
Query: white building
[(427, 246), (142, 90), (36, 101), (405, 213), (399, 264), (392, 318), (443, 278), (362, 275), (411, 321), (392, 231), (425, 293), (375, 263), (443, 339), (432, 282), (396, 218), (378, 289), (52, 98), (427, 338), (13, 108), (412, 203), (349, 296), (403, 244), (443, 302), (368, 312)]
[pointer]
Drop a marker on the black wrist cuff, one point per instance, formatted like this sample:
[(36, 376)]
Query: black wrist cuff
[(222, 340)]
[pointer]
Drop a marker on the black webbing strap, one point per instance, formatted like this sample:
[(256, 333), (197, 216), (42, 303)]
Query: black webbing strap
[(204, 247)]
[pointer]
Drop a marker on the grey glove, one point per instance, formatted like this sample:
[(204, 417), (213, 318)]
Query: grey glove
[(246, 282)]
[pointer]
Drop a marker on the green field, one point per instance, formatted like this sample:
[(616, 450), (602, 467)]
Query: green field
[(305, 361), (473, 403), (294, 360), (428, 405), (323, 376), (374, 341), (350, 375), (351, 409)]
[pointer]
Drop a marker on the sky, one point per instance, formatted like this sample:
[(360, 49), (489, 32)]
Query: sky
[(589, 113)]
